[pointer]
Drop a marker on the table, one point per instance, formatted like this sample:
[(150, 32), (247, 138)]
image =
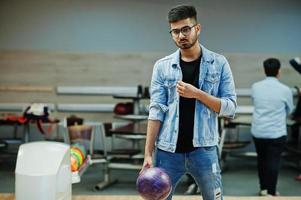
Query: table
[(235, 142), (134, 118), (26, 127), (132, 131), (15, 124), (246, 120), (244, 110)]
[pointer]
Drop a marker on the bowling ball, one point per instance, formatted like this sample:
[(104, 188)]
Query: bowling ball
[(124, 108), (153, 184), (76, 154), (80, 150), (74, 164), (81, 147)]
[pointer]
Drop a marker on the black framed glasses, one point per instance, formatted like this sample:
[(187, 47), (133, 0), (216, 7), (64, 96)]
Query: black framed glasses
[(186, 30)]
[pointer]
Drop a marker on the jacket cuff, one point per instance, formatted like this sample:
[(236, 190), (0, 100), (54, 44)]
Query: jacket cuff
[(227, 108), (157, 111)]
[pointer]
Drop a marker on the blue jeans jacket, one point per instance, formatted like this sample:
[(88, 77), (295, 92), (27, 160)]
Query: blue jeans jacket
[(215, 79)]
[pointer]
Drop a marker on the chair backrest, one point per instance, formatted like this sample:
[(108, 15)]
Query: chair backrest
[(82, 134), (74, 120), (107, 126), (104, 129), (70, 121)]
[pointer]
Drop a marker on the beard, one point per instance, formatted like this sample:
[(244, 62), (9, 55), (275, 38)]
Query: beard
[(185, 44)]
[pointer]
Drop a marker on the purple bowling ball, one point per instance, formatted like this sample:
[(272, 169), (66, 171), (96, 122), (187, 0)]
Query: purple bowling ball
[(153, 184)]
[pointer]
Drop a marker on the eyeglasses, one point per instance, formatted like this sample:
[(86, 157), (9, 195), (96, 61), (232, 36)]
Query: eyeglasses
[(186, 30)]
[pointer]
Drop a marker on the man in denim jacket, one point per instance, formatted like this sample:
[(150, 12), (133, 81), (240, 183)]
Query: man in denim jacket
[(189, 89)]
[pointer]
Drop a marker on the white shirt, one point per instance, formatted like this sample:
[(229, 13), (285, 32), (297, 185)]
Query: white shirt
[(273, 101)]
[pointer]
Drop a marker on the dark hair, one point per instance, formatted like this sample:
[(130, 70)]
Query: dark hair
[(271, 66), (182, 12)]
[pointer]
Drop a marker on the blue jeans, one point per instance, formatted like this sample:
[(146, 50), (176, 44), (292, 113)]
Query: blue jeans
[(201, 163)]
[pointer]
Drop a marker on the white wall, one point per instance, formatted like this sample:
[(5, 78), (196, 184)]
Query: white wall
[(140, 25)]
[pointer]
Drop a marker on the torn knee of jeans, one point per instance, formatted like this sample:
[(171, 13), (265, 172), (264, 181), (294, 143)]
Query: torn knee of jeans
[(217, 194), (214, 168)]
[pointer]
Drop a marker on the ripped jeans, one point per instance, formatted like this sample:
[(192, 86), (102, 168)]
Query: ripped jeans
[(201, 163)]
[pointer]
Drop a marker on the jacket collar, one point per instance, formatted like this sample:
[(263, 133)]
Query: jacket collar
[(206, 56)]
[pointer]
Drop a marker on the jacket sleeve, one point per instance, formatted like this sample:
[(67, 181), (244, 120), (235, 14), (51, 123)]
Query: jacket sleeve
[(158, 102), (227, 92)]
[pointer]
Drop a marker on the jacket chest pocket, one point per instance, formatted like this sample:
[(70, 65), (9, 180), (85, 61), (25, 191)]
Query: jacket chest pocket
[(211, 83), (170, 86)]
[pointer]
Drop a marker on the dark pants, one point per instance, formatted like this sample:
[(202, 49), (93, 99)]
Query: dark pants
[(190, 179), (268, 161)]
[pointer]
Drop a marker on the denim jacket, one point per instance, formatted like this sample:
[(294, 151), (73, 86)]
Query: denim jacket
[(215, 79)]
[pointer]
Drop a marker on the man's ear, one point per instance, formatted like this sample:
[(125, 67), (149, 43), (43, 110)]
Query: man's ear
[(199, 29)]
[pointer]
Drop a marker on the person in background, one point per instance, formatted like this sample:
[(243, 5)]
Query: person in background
[(296, 64), (189, 90), (273, 102)]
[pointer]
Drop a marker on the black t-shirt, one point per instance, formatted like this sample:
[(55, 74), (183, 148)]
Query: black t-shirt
[(190, 71)]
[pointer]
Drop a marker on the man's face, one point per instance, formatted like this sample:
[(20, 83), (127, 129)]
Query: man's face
[(185, 33)]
